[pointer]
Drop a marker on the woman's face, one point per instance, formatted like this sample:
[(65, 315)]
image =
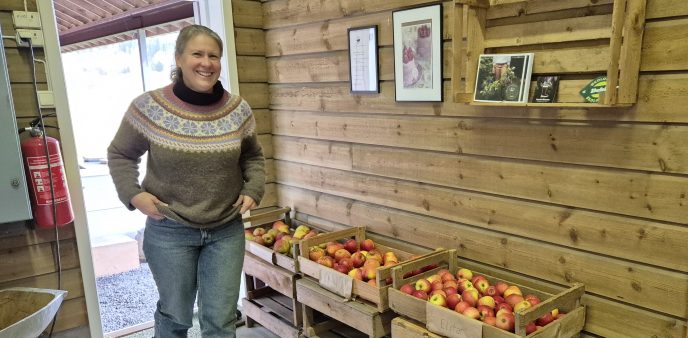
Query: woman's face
[(200, 63)]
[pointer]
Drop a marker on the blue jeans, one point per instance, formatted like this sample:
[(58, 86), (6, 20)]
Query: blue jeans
[(187, 260)]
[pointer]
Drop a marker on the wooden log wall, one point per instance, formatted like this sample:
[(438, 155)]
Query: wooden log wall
[(552, 196), (253, 80), (29, 259)]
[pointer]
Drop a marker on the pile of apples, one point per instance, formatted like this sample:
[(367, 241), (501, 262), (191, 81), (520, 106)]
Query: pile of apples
[(359, 262), (473, 296), (279, 237)]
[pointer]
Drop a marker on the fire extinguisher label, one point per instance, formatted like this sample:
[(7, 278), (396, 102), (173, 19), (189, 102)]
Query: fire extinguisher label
[(38, 173)]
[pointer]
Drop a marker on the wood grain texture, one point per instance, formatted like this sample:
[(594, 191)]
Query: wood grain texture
[(665, 46), (648, 147), (647, 242), (247, 14), (252, 69), (36, 260), (619, 319), (661, 99), (249, 41)]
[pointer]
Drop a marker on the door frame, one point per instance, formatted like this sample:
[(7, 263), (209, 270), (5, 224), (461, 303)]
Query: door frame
[(217, 15)]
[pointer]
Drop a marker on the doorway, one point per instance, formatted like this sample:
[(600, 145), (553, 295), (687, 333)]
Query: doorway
[(102, 77)]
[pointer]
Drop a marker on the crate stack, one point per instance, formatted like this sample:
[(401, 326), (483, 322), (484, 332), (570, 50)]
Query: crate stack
[(358, 302), (271, 279)]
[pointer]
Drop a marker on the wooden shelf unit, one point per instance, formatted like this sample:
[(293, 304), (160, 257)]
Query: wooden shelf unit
[(582, 39)]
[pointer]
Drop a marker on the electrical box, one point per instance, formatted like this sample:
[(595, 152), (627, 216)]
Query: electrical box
[(14, 195), (22, 19)]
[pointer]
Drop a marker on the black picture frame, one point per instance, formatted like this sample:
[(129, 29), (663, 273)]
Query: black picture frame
[(363, 60)]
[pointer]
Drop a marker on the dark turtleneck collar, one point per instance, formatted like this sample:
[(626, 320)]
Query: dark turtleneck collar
[(188, 95)]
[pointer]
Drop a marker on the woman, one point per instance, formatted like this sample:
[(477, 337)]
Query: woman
[(205, 168)]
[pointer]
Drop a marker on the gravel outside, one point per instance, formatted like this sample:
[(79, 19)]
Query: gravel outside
[(127, 298)]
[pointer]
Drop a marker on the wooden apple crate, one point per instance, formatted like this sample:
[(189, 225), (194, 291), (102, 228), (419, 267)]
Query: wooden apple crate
[(267, 254), (271, 297), (408, 328), (342, 284), (449, 323), (361, 316)]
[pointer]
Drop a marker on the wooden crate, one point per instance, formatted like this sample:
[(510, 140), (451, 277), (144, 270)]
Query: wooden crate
[(408, 328), (342, 284), (449, 323), (267, 254), (274, 312), (355, 314)]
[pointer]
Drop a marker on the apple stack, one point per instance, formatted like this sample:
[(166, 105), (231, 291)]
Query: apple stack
[(271, 271), (475, 302), (346, 277)]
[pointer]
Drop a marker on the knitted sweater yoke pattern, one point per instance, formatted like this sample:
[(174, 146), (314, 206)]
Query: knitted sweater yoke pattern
[(174, 124)]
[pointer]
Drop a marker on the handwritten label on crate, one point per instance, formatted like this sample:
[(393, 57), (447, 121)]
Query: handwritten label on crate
[(451, 324), (336, 282)]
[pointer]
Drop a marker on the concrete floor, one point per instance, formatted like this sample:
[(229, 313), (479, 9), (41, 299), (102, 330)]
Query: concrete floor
[(242, 332)]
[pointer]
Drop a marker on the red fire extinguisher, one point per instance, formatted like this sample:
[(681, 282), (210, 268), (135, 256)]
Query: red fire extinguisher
[(40, 173)]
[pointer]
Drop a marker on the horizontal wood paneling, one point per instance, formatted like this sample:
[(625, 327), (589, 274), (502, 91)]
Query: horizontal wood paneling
[(252, 69), (247, 14), (597, 189), (263, 120), (249, 41), (24, 262), (638, 284), (265, 141), (38, 236), (605, 317), (21, 71), (661, 99), (665, 46), (72, 314), (71, 282), (281, 13), (256, 94), (666, 8), (648, 147), (541, 6)]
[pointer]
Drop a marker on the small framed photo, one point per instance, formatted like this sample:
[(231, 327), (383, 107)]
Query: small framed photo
[(363, 63), (418, 54)]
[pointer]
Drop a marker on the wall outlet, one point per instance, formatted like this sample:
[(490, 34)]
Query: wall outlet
[(35, 35), (23, 19)]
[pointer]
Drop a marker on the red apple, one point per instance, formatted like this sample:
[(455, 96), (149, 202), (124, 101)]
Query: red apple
[(450, 284), (367, 245), (332, 247), (503, 310), (471, 312), (258, 232), (356, 274), (438, 292), (477, 278), (485, 311), (464, 273), (545, 319), (326, 261), (530, 328), (461, 306), (423, 285), (407, 288), (501, 287), (351, 245), (465, 284), (341, 268), (340, 254), (315, 252), (471, 296), (434, 278), (492, 321), (513, 299), (347, 263), (437, 285), (499, 299), (357, 258), (491, 291), (512, 290), (532, 299), (503, 305), (438, 299), (450, 290), (420, 294), (482, 286), (506, 321), (452, 300)]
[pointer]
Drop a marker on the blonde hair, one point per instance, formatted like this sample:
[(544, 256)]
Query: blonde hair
[(186, 34)]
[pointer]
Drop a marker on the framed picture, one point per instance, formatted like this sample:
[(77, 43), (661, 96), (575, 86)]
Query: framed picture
[(418, 53), (363, 66), (503, 77)]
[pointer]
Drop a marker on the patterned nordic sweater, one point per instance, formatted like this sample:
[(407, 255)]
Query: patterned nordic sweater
[(200, 158)]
